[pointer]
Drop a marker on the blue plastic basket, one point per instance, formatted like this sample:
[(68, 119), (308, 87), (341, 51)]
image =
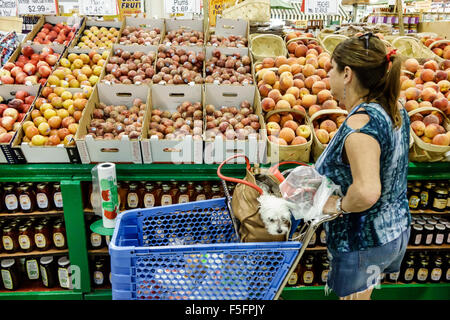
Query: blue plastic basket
[(191, 251)]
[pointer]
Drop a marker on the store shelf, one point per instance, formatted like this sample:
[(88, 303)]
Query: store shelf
[(102, 251), (31, 214), (41, 295), (427, 211), (434, 247), (99, 294), (33, 253)]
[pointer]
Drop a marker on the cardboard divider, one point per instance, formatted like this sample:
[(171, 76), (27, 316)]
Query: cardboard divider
[(70, 21), (48, 154), (168, 98), (229, 27), (89, 22), (219, 149), (146, 23), (119, 151), (10, 154)]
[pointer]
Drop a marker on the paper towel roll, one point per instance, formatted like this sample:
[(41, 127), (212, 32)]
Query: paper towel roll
[(104, 186)]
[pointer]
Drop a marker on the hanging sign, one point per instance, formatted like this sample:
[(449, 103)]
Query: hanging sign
[(8, 8), (216, 7), (321, 7), (130, 7), (98, 7), (33, 7), (182, 6)]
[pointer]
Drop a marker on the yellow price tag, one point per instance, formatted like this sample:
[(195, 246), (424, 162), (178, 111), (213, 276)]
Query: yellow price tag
[(301, 24)]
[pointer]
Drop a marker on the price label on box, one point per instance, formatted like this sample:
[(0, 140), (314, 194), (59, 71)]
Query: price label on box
[(8, 8), (37, 7), (182, 6), (98, 7)]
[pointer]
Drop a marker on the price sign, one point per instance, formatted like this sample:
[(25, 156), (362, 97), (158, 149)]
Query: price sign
[(129, 7), (8, 8), (37, 7), (301, 24), (321, 7), (182, 6), (98, 7)]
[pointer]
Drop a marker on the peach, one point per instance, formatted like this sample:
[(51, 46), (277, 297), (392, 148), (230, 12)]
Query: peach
[(309, 82), (303, 131), (431, 65), (430, 119), (340, 120), (303, 92), (287, 134), (289, 98), (329, 104), (298, 140), (299, 83), (273, 128), (440, 104), (284, 68), (313, 109), (291, 46), (292, 60), (324, 95), (411, 65), (411, 105), (439, 115), (431, 130), (431, 84), (328, 125), (308, 100), (407, 84), (294, 91), (444, 86), (427, 75), (426, 139), (285, 118), (441, 75), (318, 86), (308, 70), (282, 104), (269, 77), (290, 124), (275, 95), (296, 68), (428, 94), (441, 139), (323, 136), (268, 63), (300, 50), (297, 116), (286, 83), (274, 118), (268, 104), (280, 60), (332, 134), (424, 104), (412, 93), (416, 117), (264, 89), (418, 128), (282, 142)]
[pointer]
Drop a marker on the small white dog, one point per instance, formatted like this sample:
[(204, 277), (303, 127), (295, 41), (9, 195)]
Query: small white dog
[(274, 210)]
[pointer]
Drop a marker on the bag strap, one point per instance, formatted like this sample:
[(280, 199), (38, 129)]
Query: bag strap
[(274, 169), (236, 180)]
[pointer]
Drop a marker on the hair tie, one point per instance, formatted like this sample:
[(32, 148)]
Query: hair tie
[(390, 54)]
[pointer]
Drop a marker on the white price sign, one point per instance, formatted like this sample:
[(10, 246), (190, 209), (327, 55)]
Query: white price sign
[(182, 6), (98, 7), (8, 8), (321, 7), (37, 7)]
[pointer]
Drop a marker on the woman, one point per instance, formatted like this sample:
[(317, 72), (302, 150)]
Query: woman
[(368, 158)]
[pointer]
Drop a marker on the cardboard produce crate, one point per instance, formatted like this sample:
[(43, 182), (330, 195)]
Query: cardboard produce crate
[(11, 154), (229, 27), (168, 98), (146, 23), (120, 151), (219, 149), (188, 24)]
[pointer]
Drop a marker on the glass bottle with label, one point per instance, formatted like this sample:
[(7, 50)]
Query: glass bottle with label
[(32, 268), (42, 237), (57, 196), (436, 270), (191, 190), (148, 199), (408, 271), (26, 198), (64, 277), (133, 200), (183, 196), (42, 197), (322, 236), (416, 235), (9, 239), (47, 267), (307, 277), (312, 242), (166, 196), (158, 193), (440, 198), (429, 234), (10, 199), (293, 278), (422, 272), (448, 196), (10, 274), (439, 234), (99, 274), (414, 198), (200, 194), (174, 191), (324, 270), (26, 238), (425, 194), (96, 240), (216, 192), (59, 235), (207, 187)]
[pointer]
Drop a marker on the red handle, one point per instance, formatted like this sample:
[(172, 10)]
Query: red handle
[(221, 176), (274, 169)]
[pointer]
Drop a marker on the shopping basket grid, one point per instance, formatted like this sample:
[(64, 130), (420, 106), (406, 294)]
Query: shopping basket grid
[(191, 251)]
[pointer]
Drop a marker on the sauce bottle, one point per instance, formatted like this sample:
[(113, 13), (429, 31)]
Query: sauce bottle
[(191, 190), (122, 190), (200, 194), (148, 198), (183, 196), (96, 241), (42, 237), (26, 198), (408, 271), (416, 235), (47, 267), (57, 196), (99, 274), (216, 192), (133, 200), (293, 278), (64, 273), (174, 191), (324, 270), (32, 268), (10, 274), (207, 188), (9, 239), (42, 197), (425, 196), (166, 196), (59, 235), (10, 199), (414, 198), (422, 272), (440, 198), (436, 270), (307, 277), (26, 238)]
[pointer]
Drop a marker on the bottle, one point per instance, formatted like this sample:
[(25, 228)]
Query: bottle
[(312, 242), (440, 233), (200, 194), (99, 274), (166, 196), (42, 236), (57, 196), (429, 234), (183, 196), (32, 268), (10, 199), (42, 197), (307, 277), (174, 191), (323, 270), (10, 274), (293, 278), (64, 273), (26, 238), (191, 190), (422, 272), (436, 270), (414, 198), (408, 271), (416, 235), (216, 192), (133, 200), (9, 239), (122, 190), (26, 198), (47, 268), (59, 235), (440, 198), (149, 196), (425, 196)]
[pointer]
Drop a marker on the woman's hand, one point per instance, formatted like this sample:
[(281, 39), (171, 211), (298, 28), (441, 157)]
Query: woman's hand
[(330, 207)]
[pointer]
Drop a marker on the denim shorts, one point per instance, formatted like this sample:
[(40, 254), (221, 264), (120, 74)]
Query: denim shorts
[(356, 271)]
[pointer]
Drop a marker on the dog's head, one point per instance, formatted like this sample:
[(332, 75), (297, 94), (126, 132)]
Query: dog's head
[(275, 214)]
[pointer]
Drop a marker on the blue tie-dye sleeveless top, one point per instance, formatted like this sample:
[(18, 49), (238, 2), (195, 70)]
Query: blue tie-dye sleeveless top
[(389, 217)]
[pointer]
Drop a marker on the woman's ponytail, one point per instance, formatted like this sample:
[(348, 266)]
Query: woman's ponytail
[(391, 90)]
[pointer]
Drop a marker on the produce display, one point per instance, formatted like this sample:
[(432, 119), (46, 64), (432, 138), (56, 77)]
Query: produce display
[(55, 118), (231, 123), (187, 120), (178, 66), (12, 113), (30, 67), (442, 48), (228, 69), (113, 122), (59, 33), (184, 37), (230, 41), (95, 37), (140, 35), (427, 85), (78, 70), (130, 67)]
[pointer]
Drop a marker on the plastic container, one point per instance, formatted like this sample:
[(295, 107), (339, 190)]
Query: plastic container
[(191, 251)]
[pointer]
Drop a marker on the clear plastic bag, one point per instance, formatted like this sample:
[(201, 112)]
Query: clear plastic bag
[(309, 190)]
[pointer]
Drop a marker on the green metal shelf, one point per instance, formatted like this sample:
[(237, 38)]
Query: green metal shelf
[(99, 294), (41, 295)]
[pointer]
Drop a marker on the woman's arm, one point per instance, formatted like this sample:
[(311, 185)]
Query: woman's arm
[(363, 154)]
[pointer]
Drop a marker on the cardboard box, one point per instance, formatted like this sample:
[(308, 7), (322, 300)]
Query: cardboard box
[(70, 21), (230, 27), (188, 150), (9, 153), (188, 24), (146, 23), (124, 150), (218, 149), (98, 23)]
